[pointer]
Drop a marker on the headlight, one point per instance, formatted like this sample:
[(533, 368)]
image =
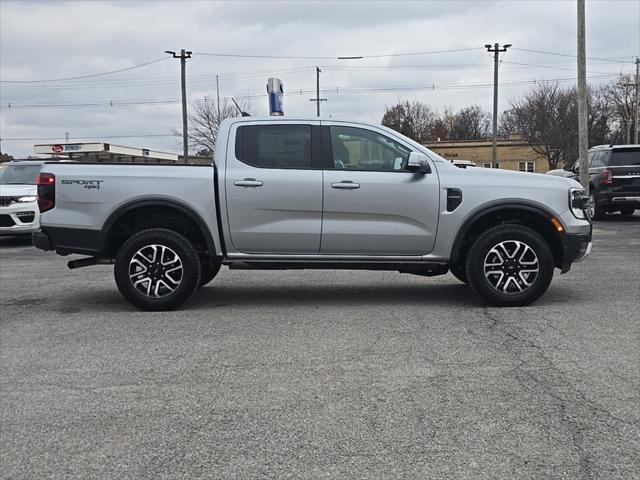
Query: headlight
[(578, 202), (29, 198)]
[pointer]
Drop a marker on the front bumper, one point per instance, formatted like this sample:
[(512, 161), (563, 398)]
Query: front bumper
[(576, 248), (19, 218)]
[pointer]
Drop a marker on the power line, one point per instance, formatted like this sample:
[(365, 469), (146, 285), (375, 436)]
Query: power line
[(296, 92), (126, 69), (334, 57), (558, 54), (36, 139)]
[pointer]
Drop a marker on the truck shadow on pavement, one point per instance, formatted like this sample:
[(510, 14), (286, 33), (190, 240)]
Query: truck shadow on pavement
[(216, 296)]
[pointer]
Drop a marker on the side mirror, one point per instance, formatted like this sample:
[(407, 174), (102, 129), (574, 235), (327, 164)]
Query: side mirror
[(568, 167), (418, 163)]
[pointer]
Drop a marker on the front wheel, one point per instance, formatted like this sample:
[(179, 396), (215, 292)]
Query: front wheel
[(157, 269), (510, 266)]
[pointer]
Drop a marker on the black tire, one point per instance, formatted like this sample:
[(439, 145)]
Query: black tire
[(169, 282), (598, 212), (511, 293), (208, 273), (459, 272), (628, 211)]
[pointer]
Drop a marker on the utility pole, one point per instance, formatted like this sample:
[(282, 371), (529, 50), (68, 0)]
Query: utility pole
[(496, 50), (583, 134), (183, 79), (635, 123), (218, 97), (318, 99)]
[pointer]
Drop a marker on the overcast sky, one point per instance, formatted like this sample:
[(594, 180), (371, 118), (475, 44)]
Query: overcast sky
[(54, 40)]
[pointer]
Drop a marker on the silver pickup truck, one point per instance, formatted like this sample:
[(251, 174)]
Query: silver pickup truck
[(288, 193)]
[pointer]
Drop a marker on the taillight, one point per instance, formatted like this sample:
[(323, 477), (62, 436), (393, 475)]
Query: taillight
[(606, 177), (46, 183)]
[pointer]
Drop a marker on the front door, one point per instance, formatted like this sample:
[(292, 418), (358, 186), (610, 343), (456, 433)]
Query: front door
[(372, 204), (274, 193)]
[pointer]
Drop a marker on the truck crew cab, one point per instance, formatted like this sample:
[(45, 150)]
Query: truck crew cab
[(295, 193)]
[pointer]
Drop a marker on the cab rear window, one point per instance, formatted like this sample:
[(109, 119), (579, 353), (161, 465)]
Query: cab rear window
[(626, 156)]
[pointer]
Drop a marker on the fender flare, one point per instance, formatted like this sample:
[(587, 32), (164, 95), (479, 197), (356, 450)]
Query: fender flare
[(494, 207), (117, 214)]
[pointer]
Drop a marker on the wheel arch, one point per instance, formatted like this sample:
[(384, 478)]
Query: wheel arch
[(170, 208), (535, 216)]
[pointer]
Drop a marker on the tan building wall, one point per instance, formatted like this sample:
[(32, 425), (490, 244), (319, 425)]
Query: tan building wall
[(512, 153)]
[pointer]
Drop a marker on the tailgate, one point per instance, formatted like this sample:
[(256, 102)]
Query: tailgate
[(625, 169)]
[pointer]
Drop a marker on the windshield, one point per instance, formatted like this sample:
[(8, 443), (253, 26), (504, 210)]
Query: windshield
[(627, 156), (19, 175)]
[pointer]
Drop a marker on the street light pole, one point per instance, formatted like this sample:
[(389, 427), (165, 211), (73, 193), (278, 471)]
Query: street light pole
[(496, 50), (183, 80)]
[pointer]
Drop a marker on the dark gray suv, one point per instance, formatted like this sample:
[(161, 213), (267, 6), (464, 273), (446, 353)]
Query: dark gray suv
[(614, 179)]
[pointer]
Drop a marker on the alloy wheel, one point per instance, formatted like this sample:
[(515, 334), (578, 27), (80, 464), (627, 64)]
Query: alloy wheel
[(511, 267), (155, 271)]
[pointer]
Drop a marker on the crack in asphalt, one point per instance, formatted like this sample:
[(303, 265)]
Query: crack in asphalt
[(535, 370)]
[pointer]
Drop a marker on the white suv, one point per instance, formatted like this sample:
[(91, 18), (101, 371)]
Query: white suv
[(19, 212)]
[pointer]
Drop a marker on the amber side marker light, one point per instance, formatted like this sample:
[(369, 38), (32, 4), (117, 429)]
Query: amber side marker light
[(556, 223)]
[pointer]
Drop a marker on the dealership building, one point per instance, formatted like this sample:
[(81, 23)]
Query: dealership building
[(99, 152), (513, 154)]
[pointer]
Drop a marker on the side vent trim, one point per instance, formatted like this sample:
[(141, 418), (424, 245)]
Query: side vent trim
[(454, 198)]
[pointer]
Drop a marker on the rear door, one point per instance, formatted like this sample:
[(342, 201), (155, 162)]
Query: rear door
[(372, 204), (273, 183)]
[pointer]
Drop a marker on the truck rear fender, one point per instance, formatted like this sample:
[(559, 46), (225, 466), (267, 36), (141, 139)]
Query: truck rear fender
[(157, 213)]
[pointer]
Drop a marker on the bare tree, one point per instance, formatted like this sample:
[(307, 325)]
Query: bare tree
[(413, 119), (548, 118), (470, 123), (620, 96), (204, 121)]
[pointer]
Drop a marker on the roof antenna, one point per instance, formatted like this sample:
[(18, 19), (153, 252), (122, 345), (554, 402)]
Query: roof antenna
[(243, 113)]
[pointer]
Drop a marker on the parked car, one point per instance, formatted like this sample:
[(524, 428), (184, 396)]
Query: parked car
[(614, 179), (18, 198), (288, 193)]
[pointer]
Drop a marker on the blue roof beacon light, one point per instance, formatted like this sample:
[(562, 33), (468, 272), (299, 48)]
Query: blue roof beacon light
[(275, 89)]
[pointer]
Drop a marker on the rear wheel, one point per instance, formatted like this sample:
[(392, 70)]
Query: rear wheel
[(510, 266), (157, 269), (595, 211), (627, 211)]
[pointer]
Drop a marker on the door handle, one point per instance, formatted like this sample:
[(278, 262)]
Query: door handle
[(248, 182), (348, 184)]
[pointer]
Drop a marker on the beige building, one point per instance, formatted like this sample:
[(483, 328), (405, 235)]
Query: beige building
[(513, 154)]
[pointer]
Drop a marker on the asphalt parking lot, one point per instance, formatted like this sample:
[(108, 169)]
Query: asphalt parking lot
[(321, 374)]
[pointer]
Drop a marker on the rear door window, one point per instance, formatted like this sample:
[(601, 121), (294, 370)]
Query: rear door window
[(625, 156), (274, 146)]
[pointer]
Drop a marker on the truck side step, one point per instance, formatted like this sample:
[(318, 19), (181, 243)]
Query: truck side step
[(89, 261)]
